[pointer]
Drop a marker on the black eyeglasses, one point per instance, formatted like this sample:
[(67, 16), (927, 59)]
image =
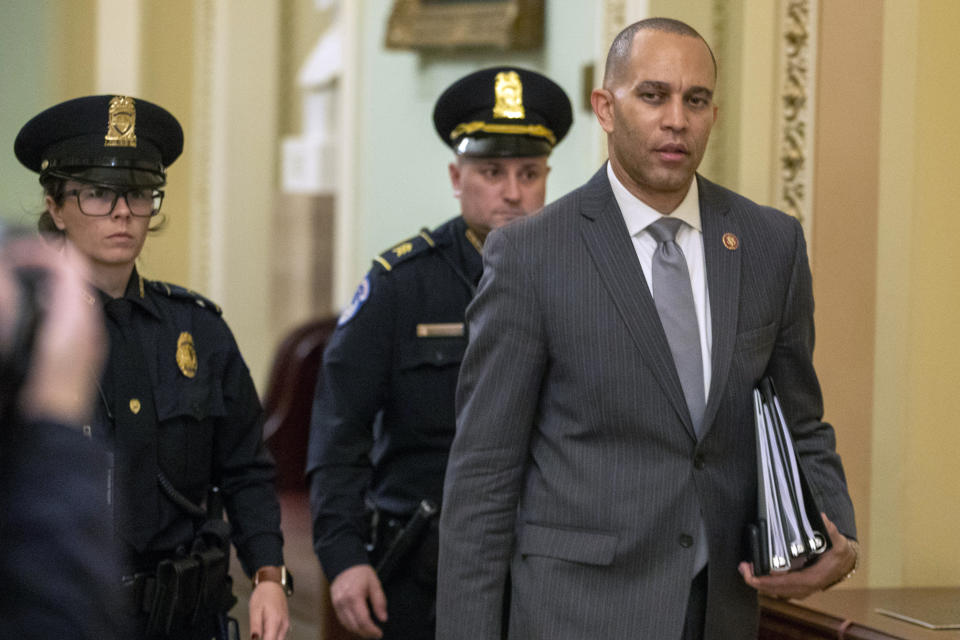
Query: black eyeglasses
[(101, 201)]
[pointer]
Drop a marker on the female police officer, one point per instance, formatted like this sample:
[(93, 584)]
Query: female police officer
[(176, 402)]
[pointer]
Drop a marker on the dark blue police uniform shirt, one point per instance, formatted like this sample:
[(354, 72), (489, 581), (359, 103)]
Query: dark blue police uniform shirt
[(203, 425), (383, 417)]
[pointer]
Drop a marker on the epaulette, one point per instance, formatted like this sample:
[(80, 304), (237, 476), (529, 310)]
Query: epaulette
[(405, 250), (182, 293)]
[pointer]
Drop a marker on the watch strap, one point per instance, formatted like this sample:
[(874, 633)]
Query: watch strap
[(280, 575)]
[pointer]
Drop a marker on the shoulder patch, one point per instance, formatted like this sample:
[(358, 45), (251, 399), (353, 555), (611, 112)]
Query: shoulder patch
[(182, 293), (405, 250), (359, 297)]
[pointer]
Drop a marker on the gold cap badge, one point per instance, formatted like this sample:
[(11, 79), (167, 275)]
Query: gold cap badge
[(121, 123), (186, 355), (508, 91), (731, 241)]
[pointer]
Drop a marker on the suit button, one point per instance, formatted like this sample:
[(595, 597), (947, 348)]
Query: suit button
[(686, 541), (698, 461)]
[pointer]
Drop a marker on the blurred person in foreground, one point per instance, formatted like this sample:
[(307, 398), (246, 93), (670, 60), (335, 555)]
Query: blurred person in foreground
[(383, 416), (176, 406), (56, 578), (604, 465)]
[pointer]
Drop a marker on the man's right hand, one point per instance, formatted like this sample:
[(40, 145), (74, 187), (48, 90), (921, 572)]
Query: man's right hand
[(354, 593)]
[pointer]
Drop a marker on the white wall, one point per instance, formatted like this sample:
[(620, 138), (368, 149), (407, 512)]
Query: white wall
[(23, 68)]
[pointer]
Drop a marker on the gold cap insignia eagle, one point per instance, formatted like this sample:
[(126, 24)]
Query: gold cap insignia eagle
[(508, 92), (121, 123), (186, 355)]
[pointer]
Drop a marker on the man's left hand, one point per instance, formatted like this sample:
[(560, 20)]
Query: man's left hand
[(830, 568), (269, 616)]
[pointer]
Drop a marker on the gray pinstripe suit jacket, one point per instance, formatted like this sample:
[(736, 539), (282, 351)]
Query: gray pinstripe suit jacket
[(575, 473)]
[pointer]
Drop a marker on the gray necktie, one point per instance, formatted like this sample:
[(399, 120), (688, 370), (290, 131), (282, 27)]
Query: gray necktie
[(673, 295)]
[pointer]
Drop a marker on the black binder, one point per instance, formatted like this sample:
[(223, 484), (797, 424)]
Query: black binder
[(789, 533)]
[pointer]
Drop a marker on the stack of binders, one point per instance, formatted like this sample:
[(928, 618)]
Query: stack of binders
[(789, 533)]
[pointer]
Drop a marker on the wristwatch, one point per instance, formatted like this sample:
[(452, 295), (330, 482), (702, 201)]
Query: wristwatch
[(280, 575)]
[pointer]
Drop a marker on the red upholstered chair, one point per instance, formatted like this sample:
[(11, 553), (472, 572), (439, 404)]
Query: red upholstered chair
[(288, 403), (289, 399)]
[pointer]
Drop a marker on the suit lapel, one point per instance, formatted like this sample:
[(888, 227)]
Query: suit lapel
[(721, 251), (608, 241)]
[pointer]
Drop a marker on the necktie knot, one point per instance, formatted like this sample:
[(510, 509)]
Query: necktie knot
[(665, 229)]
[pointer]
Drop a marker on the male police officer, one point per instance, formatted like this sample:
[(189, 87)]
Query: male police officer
[(383, 416)]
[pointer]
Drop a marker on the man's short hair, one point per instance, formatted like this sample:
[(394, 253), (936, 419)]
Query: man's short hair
[(620, 48)]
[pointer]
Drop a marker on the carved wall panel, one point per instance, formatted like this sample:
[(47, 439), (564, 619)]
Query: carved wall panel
[(798, 63)]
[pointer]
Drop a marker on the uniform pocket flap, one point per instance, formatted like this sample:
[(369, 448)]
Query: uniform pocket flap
[(200, 399), (438, 352), (575, 545)]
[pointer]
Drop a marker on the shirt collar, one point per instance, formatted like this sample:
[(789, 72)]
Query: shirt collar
[(135, 293), (471, 249), (638, 215)]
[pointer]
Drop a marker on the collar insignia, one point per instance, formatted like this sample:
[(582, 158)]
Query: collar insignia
[(474, 239)]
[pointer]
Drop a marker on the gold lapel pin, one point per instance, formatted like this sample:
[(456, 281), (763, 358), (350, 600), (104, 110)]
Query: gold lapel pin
[(731, 241), (134, 406)]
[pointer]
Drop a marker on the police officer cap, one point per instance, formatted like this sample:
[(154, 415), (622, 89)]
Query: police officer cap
[(112, 140), (503, 111)]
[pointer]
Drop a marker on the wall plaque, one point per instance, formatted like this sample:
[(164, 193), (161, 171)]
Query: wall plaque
[(465, 24)]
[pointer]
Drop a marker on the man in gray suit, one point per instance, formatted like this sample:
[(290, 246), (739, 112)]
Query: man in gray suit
[(584, 481)]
